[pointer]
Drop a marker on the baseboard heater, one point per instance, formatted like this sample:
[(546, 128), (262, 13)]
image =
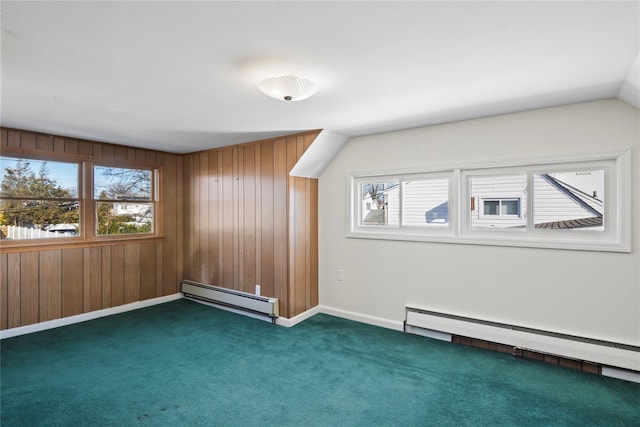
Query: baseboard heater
[(443, 325), (241, 301)]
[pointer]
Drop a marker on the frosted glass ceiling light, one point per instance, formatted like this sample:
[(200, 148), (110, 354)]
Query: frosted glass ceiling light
[(288, 88)]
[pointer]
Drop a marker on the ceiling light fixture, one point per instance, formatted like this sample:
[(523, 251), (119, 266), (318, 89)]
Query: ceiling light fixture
[(288, 88)]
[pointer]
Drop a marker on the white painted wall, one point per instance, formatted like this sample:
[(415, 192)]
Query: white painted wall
[(585, 293)]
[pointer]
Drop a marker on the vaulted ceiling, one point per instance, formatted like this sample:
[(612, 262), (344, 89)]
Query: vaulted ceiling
[(182, 76)]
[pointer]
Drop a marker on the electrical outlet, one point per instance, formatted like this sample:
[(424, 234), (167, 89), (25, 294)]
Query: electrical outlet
[(258, 289), (340, 275)]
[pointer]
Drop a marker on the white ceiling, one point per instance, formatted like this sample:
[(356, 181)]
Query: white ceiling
[(182, 76)]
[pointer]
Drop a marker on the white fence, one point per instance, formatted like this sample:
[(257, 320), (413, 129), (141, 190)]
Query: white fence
[(23, 233)]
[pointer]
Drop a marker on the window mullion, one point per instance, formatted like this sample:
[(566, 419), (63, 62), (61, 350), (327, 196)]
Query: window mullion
[(529, 198)]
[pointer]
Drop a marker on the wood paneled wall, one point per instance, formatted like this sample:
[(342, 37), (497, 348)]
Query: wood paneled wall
[(248, 222), (63, 280), (232, 217)]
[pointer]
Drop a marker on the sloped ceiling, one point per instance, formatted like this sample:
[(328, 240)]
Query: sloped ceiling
[(181, 76)]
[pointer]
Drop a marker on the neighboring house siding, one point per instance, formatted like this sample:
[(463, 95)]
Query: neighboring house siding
[(425, 202), (498, 188), (551, 204)]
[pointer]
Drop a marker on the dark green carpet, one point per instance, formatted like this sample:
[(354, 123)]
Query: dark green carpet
[(185, 364)]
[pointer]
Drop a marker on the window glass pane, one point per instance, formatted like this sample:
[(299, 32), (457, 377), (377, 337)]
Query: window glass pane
[(122, 184), (498, 201), (38, 219), (425, 202), (124, 218), (39, 199), (569, 200), (509, 207), (491, 207), (379, 203), (38, 178)]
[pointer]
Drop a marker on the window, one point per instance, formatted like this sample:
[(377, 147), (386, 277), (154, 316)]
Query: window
[(379, 203), (498, 201), (402, 205), (43, 199), (425, 202), (569, 200), (124, 203), (579, 203), (39, 199), (501, 207)]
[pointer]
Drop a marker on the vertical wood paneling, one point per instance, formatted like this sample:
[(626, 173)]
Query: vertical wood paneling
[(188, 228), (203, 205), (95, 287), (314, 291), (72, 277), (108, 152), (97, 150), (168, 277), (105, 261), (179, 220), (44, 143), (238, 216), (131, 273), (4, 317), (214, 218), (159, 273), (293, 210), (231, 217), (147, 271), (228, 225), (85, 148), (13, 290), (29, 289), (141, 155), (58, 145), (86, 279), (196, 260), (13, 138), (117, 275), (248, 205), (280, 220), (70, 146), (50, 285), (120, 153), (257, 214), (266, 220), (28, 141)]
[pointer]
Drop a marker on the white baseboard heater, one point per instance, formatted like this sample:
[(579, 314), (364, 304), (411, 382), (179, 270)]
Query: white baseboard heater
[(242, 301), (443, 326)]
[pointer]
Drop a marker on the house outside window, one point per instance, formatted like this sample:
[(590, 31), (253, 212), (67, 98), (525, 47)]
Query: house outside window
[(580, 202), (43, 198), (39, 199)]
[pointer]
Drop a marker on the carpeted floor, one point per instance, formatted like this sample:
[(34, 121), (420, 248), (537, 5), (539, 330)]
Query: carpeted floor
[(186, 364)]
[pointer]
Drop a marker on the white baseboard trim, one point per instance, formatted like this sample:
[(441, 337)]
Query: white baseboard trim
[(621, 374), (363, 318), (56, 323), (283, 321)]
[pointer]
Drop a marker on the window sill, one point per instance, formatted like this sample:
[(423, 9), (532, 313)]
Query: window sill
[(7, 247)]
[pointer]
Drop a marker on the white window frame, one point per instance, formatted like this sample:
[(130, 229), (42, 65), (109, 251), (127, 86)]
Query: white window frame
[(500, 200), (430, 232), (615, 237)]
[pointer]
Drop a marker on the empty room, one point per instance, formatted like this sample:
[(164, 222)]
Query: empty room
[(320, 213)]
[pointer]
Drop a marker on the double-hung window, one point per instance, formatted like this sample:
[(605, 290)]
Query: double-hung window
[(40, 199), (124, 200), (75, 200)]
